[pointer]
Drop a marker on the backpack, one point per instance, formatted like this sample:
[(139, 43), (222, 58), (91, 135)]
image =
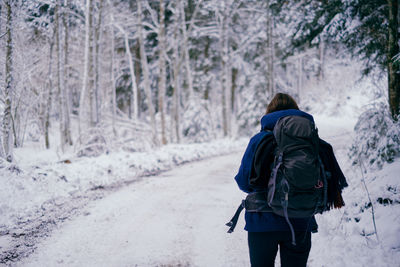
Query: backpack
[(297, 187)]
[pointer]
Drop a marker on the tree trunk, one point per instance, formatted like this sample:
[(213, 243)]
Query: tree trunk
[(97, 62), (270, 53), (137, 66), (146, 79), (234, 72), (223, 102), (112, 75), (16, 117), (185, 47), (321, 51), (226, 75), (299, 77), (49, 97), (393, 67), (137, 75), (7, 136), (207, 69), (162, 78), (133, 77), (86, 63), (60, 71), (176, 87), (66, 94), (92, 95)]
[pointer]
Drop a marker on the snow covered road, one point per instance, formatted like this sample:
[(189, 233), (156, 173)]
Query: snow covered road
[(174, 219)]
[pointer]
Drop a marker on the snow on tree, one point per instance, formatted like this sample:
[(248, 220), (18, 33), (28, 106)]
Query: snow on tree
[(146, 73), (9, 86), (196, 122), (98, 64), (162, 72), (369, 29), (377, 137)]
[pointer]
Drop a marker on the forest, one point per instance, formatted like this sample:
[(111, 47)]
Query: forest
[(104, 101), (103, 75)]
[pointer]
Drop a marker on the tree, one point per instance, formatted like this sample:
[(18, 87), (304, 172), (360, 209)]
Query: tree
[(369, 29), (49, 97), (270, 53), (204, 66), (375, 37), (176, 75), (226, 68), (146, 78), (393, 66), (90, 64), (61, 79), (65, 74), (9, 87), (185, 48), (87, 62), (97, 40), (132, 74), (112, 70), (162, 78)]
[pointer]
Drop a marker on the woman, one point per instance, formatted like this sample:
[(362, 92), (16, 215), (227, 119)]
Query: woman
[(266, 230)]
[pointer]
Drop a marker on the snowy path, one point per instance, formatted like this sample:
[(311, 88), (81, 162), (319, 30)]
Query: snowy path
[(174, 219)]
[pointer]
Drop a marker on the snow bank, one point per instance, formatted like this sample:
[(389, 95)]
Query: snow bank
[(377, 139), (350, 233), (40, 179), (366, 231)]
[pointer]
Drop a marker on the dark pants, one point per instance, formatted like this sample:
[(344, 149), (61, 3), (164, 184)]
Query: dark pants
[(263, 247)]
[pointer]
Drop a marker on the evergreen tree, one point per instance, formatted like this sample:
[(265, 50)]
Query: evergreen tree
[(369, 29)]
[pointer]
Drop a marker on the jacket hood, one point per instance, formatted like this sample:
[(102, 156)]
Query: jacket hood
[(268, 121)]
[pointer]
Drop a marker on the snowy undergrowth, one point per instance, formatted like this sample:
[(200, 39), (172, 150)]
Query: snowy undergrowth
[(342, 92), (377, 138), (368, 225), (27, 186), (374, 211), (376, 197), (371, 218)]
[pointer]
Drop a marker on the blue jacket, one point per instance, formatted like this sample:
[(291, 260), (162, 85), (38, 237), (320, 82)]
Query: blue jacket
[(268, 221)]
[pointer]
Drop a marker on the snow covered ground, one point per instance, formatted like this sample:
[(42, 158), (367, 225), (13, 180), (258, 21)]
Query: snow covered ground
[(41, 176), (347, 236), (177, 218), (42, 190)]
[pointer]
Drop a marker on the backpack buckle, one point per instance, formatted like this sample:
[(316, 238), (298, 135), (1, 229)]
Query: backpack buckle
[(319, 184)]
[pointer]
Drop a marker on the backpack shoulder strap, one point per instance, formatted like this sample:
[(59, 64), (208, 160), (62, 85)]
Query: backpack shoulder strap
[(260, 168)]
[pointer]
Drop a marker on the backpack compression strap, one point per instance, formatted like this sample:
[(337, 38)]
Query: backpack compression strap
[(272, 181), (254, 202), (232, 223), (286, 187)]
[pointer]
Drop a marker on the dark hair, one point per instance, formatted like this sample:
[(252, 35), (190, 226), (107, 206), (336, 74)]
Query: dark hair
[(281, 102)]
